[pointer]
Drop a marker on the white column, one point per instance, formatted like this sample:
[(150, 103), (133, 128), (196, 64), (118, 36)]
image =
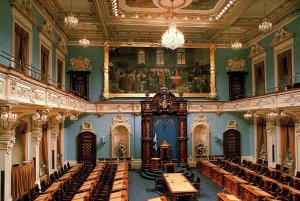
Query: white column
[(7, 140), (54, 127), (36, 139)]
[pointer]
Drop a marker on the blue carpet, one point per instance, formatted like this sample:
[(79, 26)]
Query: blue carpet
[(141, 189)]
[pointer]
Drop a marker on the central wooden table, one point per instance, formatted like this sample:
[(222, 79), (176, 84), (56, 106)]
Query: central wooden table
[(179, 186)]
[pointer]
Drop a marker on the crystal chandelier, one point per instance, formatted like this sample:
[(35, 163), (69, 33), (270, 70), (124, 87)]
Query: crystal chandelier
[(172, 38), (236, 45), (84, 42), (70, 19), (265, 25)]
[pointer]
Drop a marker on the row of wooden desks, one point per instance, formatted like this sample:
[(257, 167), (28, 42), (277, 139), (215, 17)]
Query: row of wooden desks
[(119, 191)]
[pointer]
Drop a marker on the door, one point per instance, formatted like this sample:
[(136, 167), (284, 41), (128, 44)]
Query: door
[(231, 144), (86, 149)]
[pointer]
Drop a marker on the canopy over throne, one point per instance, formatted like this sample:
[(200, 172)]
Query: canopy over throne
[(163, 104)]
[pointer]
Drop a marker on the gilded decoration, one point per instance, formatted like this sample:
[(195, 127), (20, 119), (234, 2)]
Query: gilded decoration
[(280, 36), (231, 124), (131, 75), (236, 65), (86, 126), (256, 49), (80, 64)]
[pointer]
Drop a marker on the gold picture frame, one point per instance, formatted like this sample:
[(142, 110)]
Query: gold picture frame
[(107, 94)]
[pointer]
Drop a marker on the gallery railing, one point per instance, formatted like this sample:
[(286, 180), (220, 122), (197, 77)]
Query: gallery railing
[(9, 61)]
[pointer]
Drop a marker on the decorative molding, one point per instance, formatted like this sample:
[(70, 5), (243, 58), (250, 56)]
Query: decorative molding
[(86, 127), (234, 65), (23, 11), (47, 30), (256, 49), (231, 124), (280, 36), (80, 64)]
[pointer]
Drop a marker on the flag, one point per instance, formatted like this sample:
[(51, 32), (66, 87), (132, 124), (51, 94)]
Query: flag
[(155, 142)]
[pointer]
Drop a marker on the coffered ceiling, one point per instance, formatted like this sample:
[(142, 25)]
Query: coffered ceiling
[(146, 20)]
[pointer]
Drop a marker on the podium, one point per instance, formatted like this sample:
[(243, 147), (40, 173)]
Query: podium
[(155, 163), (164, 149)]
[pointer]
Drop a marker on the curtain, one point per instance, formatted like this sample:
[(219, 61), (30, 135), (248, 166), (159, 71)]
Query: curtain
[(291, 133), (45, 147), (259, 135), (284, 121), (17, 46), (22, 180), (59, 146), (24, 53)]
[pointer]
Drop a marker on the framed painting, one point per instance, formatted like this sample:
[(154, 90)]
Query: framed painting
[(134, 71)]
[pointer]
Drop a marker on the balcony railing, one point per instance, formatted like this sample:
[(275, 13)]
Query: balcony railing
[(33, 72)]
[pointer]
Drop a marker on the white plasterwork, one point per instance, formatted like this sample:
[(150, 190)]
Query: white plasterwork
[(200, 134)]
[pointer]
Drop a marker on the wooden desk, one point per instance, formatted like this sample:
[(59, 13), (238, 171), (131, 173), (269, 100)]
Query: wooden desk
[(252, 193), (56, 186), (121, 175), (44, 197), (160, 198), (218, 176), (227, 197), (206, 168), (86, 187), (232, 184), (120, 185), (155, 163), (119, 195), (66, 176), (81, 196), (178, 185)]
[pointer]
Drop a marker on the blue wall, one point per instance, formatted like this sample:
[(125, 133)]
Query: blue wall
[(101, 127), (5, 29), (96, 77)]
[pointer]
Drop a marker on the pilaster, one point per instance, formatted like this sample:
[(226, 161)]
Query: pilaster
[(270, 140), (7, 140), (297, 146)]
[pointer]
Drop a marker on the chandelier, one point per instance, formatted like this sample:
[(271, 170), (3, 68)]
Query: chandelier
[(265, 25), (172, 38), (84, 42), (70, 19), (236, 45)]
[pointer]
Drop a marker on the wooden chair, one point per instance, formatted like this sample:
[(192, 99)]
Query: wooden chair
[(160, 185)]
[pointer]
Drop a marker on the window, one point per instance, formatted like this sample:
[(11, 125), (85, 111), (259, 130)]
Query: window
[(21, 47), (180, 56), (60, 73), (284, 61), (259, 78), (44, 63), (141, 57), (160, 57)]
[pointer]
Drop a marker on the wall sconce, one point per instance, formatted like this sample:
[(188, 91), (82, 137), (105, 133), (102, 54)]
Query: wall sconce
[(218, 138), (248, 115), (102, 140)]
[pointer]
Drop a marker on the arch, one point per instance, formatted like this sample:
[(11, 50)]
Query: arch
[(200, 134), (86, 147), (120, 136)]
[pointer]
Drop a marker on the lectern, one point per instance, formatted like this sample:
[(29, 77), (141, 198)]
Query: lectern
[(164, 149)]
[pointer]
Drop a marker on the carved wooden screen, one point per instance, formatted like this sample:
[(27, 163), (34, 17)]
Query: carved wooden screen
[(86, 149), (231, 144)]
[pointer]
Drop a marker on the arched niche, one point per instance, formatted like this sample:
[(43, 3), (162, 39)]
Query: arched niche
[(120, 133), (200, 134)]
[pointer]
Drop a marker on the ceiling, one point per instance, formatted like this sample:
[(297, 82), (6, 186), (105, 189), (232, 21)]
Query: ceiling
[(144, 21)]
